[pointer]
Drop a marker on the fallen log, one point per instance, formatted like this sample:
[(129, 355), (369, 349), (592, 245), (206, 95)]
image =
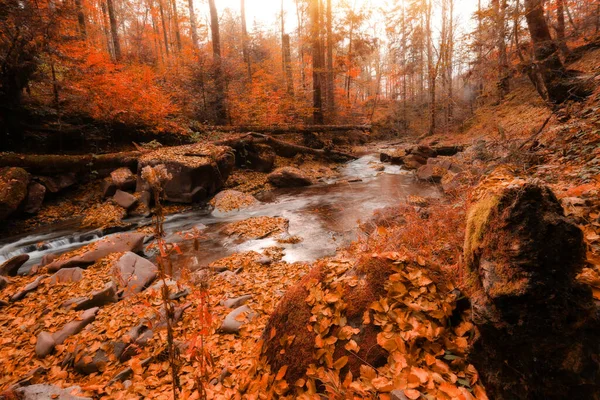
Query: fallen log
[(43, 164), (280, 130)]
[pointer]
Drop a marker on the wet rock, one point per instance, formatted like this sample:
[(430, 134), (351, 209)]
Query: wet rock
[(421, 151), (47, 259), (398, 394), (453, 181), (237, 301), (522, 256), (229, 200), (99, 298), (448, 150), (123, 179), (57, 183), (124, 199), (98, 362), (265, 260), (28, 289), (35, 198), (142, 207), (236, 319), (67, 275), (121, 242), (393, 156), (446, 164), (288, 177), (13, 189), (134, 273), (45, 392), (3, 282), (198, 171), (11, 266)]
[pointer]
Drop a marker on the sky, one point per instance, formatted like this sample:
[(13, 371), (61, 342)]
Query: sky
[(267, 11)]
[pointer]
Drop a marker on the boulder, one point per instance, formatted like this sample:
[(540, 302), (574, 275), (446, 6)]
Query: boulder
[(421, 151), (124, 199), (237, 301), (538, 325), (393, 156), (413, 161), (13, 189), (134, 273), (452, 181), (98, 298), (236, 319), (257, 157), (288, 177), (28, 289), (446, 164), (431, 173), (123, 179), (11, 266), (197, 171), (57, 183), (143, 204), (35, 198), (47, 341), (118, 243), (67, 275), (229, 200), (3, 282), (45, 392)]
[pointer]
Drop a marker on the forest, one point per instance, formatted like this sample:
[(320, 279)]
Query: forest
[(300, 199)]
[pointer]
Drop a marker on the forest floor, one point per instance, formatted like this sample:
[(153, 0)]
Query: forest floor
[(565, 155)]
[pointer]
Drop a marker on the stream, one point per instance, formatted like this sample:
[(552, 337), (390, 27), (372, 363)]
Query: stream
[(325, 216)]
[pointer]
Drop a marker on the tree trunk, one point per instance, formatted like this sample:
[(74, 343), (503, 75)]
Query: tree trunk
[(431, 69), (547, 61), (193, 25), (81, 19), (316, 61), (499, 8), (245, 51), (113, 30), (106, 29), (288, 64), (560, 28), (220, 110), (164, 27), (330, 73), (176, 22)]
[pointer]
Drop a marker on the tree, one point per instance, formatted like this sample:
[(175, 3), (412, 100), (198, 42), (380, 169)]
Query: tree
[(560, 27), (245, 51), (219, 104), (330, 72), (558, 84), (316, 63), (499, 11), (114, 34)]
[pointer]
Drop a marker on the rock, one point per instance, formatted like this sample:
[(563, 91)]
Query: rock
[(236, 319), (11, 266), (257, 157), (265, 260), (74, 327), (45, 344), (124, 199), (98, 362), (288, 177), (108, 187), (448, 150), (573, 202), (47, 259), (452, 181), (229, 200), (47, 341), (445, 164), (98, 298), (118, 243), (431, 173), (57, 183), (522, 256), (28, 289), (421, 151), (134, 273), (237, 301), (393, 156), (67, 275), (3, 282), (46, 392), (413, 161), (13, 189), (142, 207), (35, 197), (123, 179), (398, 394), (198, 170)]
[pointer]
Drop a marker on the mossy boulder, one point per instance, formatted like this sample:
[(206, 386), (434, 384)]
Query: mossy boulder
[(521, 256)]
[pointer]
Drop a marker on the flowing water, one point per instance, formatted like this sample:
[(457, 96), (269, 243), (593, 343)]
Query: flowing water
[(325, 216)]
